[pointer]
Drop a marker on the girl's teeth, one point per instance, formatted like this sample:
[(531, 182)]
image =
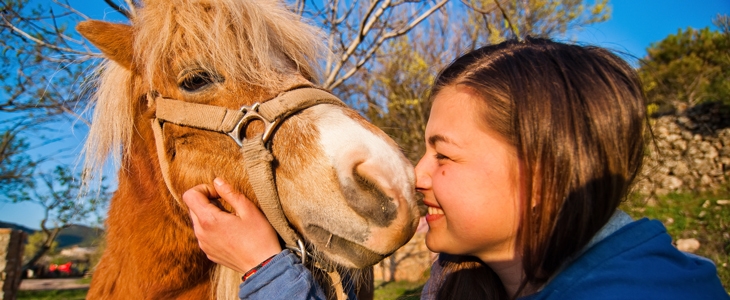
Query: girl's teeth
[(435, 211)]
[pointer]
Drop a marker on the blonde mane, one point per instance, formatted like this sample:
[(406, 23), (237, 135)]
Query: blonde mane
[(257, 43)]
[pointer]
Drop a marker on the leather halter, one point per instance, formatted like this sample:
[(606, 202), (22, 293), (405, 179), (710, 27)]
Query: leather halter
[(257, 157)]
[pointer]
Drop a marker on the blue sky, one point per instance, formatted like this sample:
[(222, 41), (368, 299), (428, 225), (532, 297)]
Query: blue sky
[(634, 25)]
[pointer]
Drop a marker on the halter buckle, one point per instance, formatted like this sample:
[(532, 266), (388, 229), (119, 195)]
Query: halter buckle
[(251, 113)]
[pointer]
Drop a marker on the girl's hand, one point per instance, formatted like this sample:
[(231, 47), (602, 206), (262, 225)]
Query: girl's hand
[(239, 241)]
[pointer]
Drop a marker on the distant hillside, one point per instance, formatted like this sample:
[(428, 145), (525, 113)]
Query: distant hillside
[(80, 235), (16, 227), (73, 235)]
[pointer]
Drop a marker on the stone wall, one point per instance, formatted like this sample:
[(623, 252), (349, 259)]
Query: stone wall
[(11, 260), (690, 152)]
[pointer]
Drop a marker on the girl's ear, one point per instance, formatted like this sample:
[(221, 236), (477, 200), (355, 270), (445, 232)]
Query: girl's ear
[(114, 40)]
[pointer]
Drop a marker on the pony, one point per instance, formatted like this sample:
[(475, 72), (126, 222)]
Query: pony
[(343, 185)]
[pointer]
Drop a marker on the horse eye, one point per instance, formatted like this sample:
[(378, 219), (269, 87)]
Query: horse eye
[(195, 81)]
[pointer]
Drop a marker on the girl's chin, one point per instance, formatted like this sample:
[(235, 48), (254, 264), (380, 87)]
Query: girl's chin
[(434, 242), (431, 245)]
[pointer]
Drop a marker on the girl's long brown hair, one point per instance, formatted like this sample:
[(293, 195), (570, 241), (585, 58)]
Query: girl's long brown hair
[(576, 117)]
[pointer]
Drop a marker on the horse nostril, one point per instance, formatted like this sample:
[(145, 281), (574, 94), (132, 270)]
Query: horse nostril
[(367, 196)]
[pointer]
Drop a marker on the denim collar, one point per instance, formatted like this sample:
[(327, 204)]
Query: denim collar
[(618, 219)]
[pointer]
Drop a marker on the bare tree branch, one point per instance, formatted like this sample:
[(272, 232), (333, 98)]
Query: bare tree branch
[(374, 13), (119, 9), (365, 25), (512, 25), (483, 11), (19, 31)]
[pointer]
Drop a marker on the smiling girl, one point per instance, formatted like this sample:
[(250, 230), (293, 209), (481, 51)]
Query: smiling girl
[(530, 148)]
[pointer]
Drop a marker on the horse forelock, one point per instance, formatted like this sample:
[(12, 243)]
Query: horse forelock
[(254, 42)]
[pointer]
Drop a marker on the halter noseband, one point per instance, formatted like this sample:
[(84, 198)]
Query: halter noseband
[(257, 157)]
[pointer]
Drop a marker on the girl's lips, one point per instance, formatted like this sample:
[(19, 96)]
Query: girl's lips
[(430, 218)]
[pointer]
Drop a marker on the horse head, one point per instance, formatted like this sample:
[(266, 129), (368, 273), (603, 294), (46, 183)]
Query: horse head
[(343, 184)]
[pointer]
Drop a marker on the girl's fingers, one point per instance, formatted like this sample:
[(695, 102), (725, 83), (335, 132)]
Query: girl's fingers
[(239, 202), (198, 201)]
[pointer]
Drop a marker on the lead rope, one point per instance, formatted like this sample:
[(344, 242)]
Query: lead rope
[(257, 157)]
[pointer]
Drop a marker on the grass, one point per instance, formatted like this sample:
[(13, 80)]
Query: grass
[(77, 294), (400, 290), (692, 215)]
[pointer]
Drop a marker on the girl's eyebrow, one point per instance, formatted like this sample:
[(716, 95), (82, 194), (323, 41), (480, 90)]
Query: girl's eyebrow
[(437, 138)]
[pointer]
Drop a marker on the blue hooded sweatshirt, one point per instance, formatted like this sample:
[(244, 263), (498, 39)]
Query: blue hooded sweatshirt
[(636, 261), (285, 278)]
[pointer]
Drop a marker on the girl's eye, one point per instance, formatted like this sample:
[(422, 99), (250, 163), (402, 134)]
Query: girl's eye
[(441, 157)]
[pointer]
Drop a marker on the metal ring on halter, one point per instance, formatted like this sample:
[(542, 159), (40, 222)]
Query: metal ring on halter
[(302, 251), (251, 113)]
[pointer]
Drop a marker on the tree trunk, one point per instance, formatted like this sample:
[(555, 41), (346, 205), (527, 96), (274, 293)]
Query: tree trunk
[(50, 238)]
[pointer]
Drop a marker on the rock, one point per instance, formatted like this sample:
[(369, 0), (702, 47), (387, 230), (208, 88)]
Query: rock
[(709, 150), (670, 164), (688, 245), (725, 151), (706, 180), (716, 172), (692, 151), (672, 137), (723, 202), (680, 169), (662, 169), (686, 122), (672, 183), (687, 135), (680, 144), (702, 166)]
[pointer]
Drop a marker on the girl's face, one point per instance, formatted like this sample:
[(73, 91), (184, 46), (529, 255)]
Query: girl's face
[(469, 179)]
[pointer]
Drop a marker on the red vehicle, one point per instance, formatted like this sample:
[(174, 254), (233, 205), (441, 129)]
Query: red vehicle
[(61, 269)]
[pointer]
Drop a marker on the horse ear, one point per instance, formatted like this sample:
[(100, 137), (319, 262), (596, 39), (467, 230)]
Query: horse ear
[(114, 40)]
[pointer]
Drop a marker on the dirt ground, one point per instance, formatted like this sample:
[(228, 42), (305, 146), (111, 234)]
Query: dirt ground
[(52, 284)]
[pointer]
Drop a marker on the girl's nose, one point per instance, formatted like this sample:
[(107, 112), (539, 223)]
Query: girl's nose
[(423, 177)]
